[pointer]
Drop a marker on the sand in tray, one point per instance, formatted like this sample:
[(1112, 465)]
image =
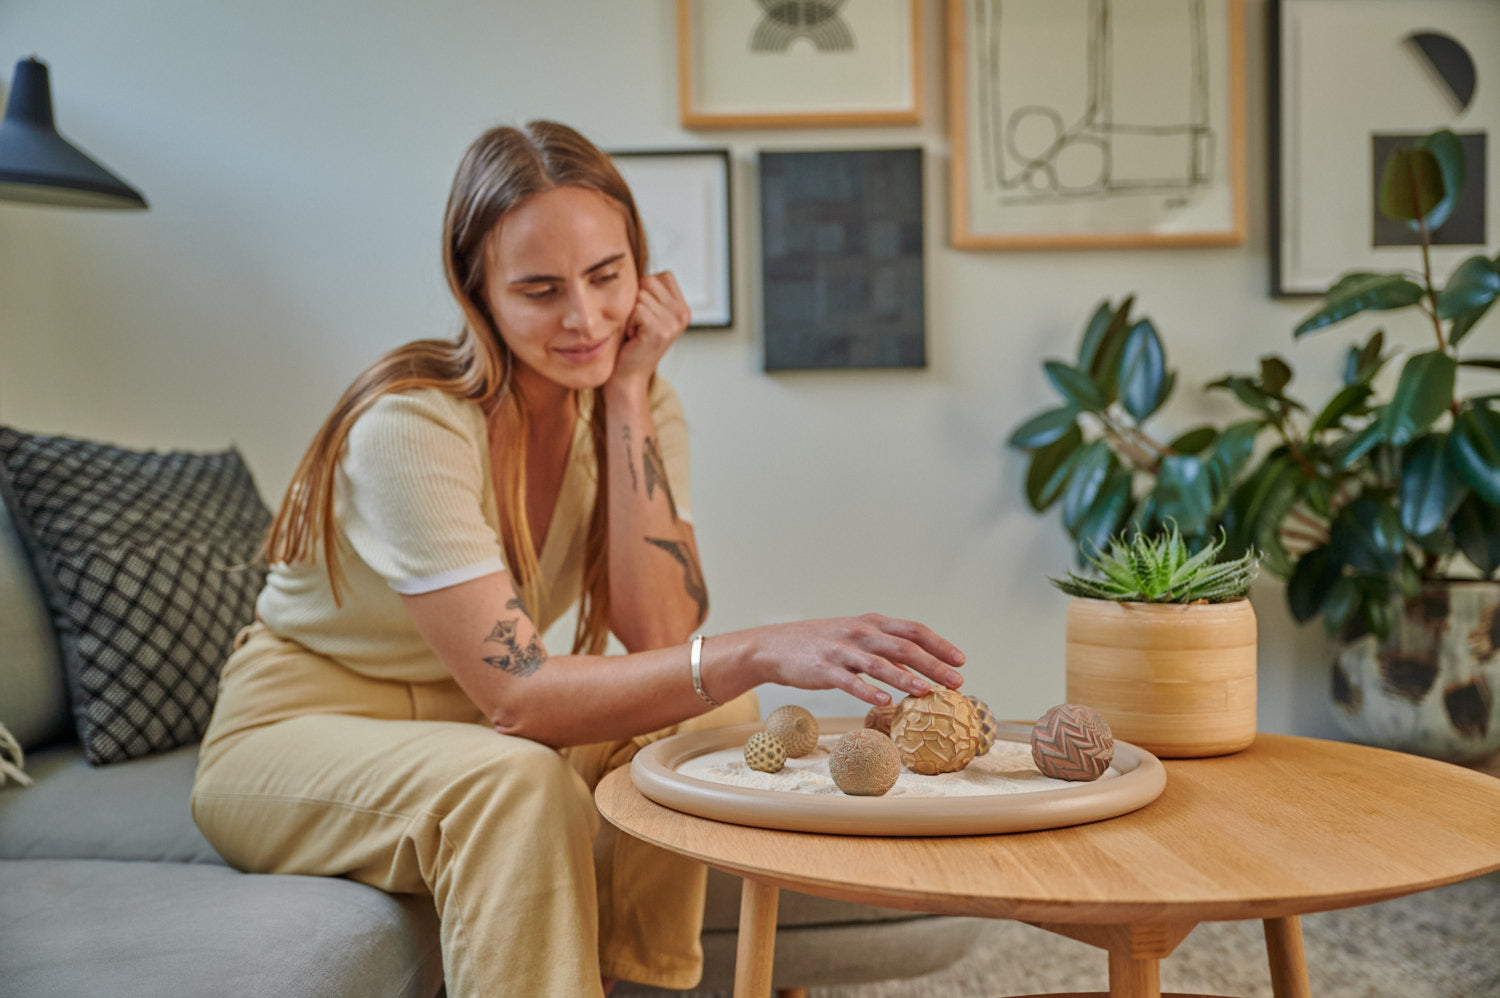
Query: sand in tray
[(1005, 769)]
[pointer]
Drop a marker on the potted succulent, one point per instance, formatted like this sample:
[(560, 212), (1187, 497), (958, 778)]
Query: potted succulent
[(1161, 641), (1380, 507)]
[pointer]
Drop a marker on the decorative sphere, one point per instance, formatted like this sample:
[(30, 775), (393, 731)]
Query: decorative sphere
[(765, 753), (1072, 742), (936, 733), (864, 763), (880, 718), (796, 727), (987, 725)]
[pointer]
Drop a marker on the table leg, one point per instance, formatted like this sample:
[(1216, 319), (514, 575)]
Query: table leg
[(756, 948), (1288, 961), (1132, 976)]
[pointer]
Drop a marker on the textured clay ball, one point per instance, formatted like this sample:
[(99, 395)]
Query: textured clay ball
[(1072, 742), (987, 725), (936, 733), (796, 727), (880, 718), (765, 753), (864, 763)]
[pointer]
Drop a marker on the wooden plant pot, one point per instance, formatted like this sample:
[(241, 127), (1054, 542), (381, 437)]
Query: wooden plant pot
[(1177, 680)]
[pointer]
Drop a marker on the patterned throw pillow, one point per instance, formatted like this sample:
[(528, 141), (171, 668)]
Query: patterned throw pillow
[(148, 561)]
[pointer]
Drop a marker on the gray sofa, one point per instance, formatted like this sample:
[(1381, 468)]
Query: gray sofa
[(107, 887)]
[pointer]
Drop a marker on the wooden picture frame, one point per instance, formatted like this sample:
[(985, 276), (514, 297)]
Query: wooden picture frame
[(685, 200), (1099, 125), (1349, 79), (859, 63)]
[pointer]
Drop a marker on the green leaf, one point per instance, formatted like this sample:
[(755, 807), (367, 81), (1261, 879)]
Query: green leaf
[(1090, 471), (1142, 368), (1258, 507), (1488, 363), (1230, 454), (1044, 428), (1424, 393), (1449, 153), (1367, 536), (1431, 488), (1342, 604), (1275, 374), (1105, 366), (1049, 469), (1365, 362), (1473, 283), (1348, 399), (1361, 292), (1248, 393), (1357, 445), (1194, 440), (1105, 515), (1475, 451), (1093, 335), (1476, 525), (1412, 185), (1307, 590), (1076, 387), (1183, 492)]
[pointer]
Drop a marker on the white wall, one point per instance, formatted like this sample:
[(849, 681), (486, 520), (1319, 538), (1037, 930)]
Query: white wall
[(297, 154)]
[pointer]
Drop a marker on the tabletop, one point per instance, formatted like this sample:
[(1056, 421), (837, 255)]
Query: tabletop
[(1289, 826)]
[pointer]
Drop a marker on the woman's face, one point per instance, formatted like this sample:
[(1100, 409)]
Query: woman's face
[(561, 285)]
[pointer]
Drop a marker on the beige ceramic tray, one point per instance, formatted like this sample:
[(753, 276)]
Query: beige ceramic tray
[(1137, 780)]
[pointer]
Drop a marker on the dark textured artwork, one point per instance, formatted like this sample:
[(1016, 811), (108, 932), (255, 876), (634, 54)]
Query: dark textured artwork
[(842, 259)]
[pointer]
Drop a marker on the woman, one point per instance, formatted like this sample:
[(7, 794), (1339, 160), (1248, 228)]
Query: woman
[(393, 717)]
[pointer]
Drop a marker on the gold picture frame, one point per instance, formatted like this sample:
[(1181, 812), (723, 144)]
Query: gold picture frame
[(1086, 126), (859, 63)]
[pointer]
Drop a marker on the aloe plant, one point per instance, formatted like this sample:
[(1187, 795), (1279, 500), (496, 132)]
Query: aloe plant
[(1356, 501), (1159, 568)]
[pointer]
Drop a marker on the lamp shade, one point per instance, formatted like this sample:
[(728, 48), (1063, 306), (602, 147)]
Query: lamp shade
[(40, 166)]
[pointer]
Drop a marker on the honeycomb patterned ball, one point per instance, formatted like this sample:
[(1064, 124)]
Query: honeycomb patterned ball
[(936, 733), (1072, 742), (765, 753), (880, 718), (864, 763), (796, 727), (987, 725)]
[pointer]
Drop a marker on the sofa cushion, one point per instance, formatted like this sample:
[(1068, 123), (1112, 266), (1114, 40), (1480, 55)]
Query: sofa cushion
[(35, 702), (149, 930), (136, 810), (146, 559)]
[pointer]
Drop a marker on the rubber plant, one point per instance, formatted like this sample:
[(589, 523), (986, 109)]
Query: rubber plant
[(1353, 502)]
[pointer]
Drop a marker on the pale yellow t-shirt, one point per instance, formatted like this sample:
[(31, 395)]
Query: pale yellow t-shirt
[(416, 511)]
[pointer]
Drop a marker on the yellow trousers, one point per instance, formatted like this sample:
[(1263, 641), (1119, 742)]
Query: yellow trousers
[(310, 768)]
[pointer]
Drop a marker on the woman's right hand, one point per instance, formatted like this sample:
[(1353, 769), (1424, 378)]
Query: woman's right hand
[(837, 654)]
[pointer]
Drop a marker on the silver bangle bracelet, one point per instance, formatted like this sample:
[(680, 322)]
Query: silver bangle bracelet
[(695, 659)]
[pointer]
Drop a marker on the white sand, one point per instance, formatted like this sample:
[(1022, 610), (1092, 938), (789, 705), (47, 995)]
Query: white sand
[(1005, 769)]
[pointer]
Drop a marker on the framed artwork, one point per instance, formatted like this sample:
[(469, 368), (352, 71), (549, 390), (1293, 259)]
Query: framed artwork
[(814, 63), (842, 259), (1350, 80), (683, 196), (1096, 123)]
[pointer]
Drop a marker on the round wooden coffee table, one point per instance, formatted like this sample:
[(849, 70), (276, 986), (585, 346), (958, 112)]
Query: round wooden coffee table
[(1287, 827)]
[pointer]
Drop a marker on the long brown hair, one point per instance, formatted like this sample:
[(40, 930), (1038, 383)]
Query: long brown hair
[(501, 169)]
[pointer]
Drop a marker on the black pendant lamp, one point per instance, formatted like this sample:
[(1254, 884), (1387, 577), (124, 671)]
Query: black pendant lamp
[(39, 166)]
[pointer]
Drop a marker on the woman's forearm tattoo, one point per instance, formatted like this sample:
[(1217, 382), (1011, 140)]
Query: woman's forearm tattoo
[(692, 574), (635, 485), (513, 658), (656, 473)]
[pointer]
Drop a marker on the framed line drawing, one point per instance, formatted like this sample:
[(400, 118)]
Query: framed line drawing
[(842, 267), (1351, 80), (808, 63), (683, 196), (1096, 123)]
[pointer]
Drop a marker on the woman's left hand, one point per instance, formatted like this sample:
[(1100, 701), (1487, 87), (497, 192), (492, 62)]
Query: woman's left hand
[(660, 316)]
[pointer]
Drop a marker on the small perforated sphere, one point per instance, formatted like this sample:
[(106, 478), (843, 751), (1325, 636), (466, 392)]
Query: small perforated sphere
[(1072, 742), (880, 718), (987, 725), (765, 753), (936, 733), (796, 727), (864, 763)]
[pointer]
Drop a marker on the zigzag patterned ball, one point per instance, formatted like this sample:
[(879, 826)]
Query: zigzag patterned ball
[(988, 726), (1072, 742)]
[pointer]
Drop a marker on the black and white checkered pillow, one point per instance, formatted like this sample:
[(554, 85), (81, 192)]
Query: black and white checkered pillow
[(148, 561)]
